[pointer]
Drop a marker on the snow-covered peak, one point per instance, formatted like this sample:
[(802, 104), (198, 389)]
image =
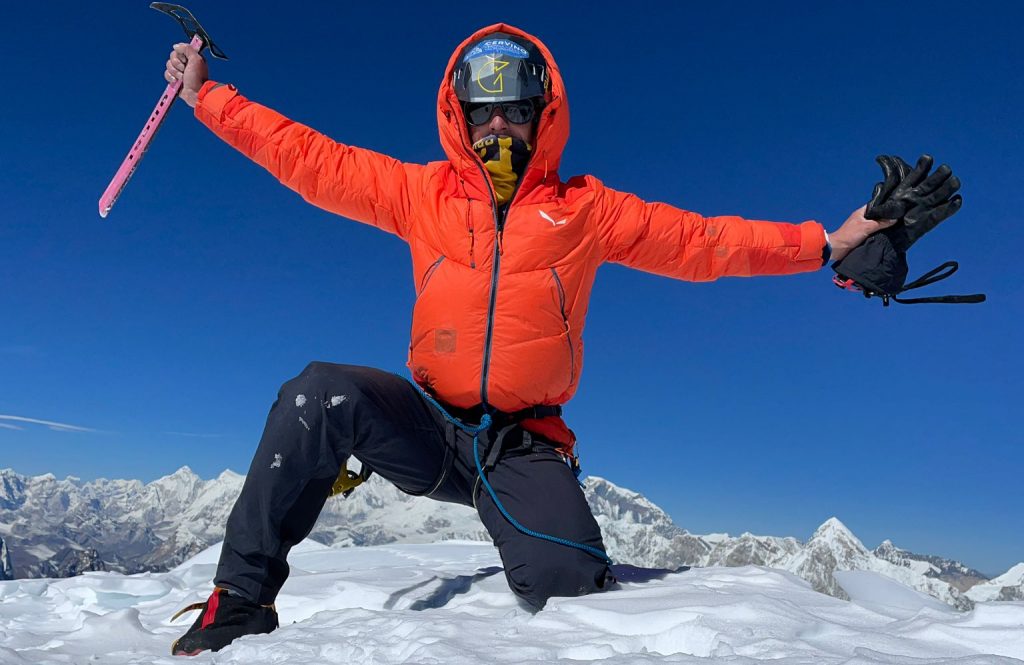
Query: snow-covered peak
[(185, 472), (1011, 577), (832, 547), (622, 504), (954, 573), (1008, 586), (833, 530), (182, 478), (886, 547), (227, 475), (12, 490), (751, 549)]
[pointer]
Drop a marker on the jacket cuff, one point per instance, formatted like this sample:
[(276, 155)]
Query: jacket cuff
[(213, 97), (812, 242)]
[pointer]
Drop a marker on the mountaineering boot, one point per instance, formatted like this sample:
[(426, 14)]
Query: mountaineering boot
[(225, 617)]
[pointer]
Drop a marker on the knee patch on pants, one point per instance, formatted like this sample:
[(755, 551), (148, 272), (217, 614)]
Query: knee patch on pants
[(565, 576)]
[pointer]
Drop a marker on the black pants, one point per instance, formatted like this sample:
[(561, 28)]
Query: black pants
[(332, 411)]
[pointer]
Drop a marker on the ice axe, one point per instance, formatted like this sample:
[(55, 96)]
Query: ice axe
[(200, 40)]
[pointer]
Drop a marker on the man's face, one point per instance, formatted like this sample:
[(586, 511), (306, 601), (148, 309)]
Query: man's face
[(499, 125)]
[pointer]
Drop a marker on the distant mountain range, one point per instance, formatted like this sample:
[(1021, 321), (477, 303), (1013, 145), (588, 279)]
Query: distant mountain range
[(60, 528)]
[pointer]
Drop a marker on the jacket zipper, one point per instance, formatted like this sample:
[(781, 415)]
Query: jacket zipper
[(499, 227), (500, 215), (565, 321)]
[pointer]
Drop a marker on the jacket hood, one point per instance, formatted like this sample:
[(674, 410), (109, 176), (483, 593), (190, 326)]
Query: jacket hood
[(552, 129)]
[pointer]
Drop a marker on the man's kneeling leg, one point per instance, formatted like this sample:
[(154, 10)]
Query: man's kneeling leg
[(540, 491)]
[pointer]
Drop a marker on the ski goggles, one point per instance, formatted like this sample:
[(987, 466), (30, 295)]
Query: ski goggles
[(518, 112)]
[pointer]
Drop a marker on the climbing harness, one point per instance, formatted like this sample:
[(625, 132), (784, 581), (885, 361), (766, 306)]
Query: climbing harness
[(485, 423)]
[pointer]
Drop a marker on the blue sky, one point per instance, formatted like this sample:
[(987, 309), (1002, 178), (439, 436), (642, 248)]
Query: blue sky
[(765, 404)]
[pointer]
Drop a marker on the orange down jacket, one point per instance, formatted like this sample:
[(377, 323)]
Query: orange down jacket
[(500, 306)]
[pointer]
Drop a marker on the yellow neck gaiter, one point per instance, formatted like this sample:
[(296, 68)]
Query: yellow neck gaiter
[(505, 158)]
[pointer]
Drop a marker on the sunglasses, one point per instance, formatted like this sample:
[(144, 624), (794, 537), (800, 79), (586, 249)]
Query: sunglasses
[(518, 112)]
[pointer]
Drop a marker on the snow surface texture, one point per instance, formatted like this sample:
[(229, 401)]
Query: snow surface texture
[(448, 603)]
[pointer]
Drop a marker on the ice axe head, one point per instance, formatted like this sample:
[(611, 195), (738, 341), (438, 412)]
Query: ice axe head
[(190, 25)]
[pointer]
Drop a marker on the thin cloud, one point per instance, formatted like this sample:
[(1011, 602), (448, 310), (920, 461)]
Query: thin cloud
[(6, 426), (57, 427)]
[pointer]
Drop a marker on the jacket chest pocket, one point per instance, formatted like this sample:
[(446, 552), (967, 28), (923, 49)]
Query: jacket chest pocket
[(563, 310), (425, 322), (428, 274)]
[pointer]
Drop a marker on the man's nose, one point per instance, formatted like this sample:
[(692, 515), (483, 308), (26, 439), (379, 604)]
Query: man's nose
[(497, 121)]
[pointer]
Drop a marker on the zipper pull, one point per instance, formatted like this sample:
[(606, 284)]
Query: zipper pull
[(469, 227), (501, 243)]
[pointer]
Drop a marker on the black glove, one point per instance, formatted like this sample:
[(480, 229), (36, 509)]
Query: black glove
[(918, 200)]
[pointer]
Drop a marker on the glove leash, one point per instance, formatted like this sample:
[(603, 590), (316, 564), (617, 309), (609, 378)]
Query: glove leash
[(934, 275)]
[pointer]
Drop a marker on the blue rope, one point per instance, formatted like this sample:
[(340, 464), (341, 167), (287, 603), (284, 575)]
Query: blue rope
[(485, 422)]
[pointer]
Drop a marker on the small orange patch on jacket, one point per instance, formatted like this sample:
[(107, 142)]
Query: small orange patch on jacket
[(444, 341)]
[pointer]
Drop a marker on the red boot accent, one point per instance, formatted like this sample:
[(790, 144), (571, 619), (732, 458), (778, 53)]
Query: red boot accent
[(211, 608)]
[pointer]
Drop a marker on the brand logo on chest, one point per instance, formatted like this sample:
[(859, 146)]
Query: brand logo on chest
[(548, 217)]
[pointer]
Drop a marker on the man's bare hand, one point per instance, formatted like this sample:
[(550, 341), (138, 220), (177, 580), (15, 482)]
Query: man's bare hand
[(187, 65), (854, 231)]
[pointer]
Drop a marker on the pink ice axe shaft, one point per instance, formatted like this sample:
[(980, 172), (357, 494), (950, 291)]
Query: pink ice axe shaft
[(200, 40)]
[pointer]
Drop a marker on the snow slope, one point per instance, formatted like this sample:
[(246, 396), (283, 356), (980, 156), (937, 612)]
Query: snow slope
[(448, 603)]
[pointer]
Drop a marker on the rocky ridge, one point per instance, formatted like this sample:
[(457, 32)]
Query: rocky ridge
[(6, 570)]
